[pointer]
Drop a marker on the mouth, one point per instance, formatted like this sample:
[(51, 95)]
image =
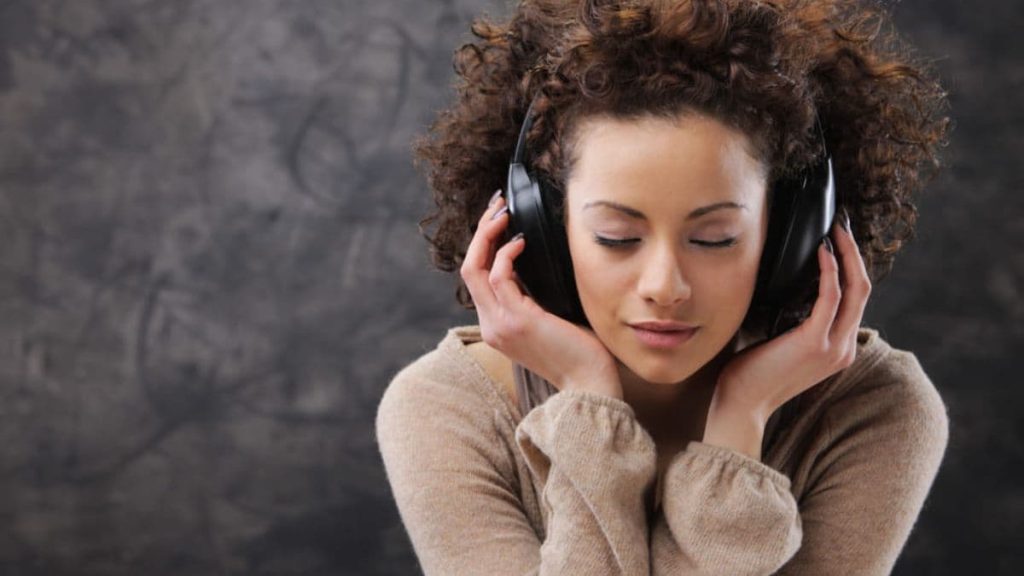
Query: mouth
[(662, 338), (663, 326)]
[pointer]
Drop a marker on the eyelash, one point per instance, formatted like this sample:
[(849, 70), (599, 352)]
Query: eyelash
[(613, 243)]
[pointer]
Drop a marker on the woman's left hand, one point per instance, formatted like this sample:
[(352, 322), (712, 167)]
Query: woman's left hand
[(763, 377)]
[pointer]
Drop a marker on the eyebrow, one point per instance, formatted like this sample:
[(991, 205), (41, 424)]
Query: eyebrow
[(634, 213)]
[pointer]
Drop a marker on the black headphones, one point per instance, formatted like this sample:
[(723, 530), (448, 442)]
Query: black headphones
[(801, 214)]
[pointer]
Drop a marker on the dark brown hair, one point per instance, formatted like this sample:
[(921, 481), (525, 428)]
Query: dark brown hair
[(765, 67)]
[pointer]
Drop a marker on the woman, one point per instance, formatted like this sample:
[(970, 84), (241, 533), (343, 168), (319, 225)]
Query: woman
[(530, 444)]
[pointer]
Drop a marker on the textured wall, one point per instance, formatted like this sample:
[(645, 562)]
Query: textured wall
[(211, 269)]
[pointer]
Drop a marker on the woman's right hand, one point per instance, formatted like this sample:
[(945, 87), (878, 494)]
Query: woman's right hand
[(567, 355)]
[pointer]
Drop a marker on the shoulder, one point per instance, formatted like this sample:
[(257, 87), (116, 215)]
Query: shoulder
[(441, 396), (887, 391), (891, 380), (877, 434)]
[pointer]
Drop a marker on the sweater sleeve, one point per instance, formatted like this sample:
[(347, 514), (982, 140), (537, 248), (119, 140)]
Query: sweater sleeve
[(595, 463), (449, 477), (456, 489), (869, 482), (723, 513)]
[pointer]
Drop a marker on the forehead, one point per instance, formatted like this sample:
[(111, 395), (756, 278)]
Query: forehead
[(691, 158)]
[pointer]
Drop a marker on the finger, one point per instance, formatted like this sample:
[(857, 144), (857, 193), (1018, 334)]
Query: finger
[(503, 276), (829, 294), (477, 262), (856, 286)]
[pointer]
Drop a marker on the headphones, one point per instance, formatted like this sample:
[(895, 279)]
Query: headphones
[(803, 207)]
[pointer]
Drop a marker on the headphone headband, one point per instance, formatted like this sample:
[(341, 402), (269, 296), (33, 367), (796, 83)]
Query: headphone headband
[(517, 156)]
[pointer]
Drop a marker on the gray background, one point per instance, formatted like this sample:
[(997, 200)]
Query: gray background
[(211, 270)]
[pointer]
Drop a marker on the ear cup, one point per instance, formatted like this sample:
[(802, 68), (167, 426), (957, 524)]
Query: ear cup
[(802, 212), (545, 265)]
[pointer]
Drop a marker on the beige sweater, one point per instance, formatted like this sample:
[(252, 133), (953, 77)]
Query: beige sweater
[(484, 491)]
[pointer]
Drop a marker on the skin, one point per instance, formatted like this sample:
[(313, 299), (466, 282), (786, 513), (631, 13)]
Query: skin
[(669, 170), (711, 388)]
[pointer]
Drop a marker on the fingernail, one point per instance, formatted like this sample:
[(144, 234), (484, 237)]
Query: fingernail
[(828, 245), (494, 198), (844, 219), (499, 212), (516, 237)]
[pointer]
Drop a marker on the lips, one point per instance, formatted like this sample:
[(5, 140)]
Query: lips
[(662, 339), (663, 326)]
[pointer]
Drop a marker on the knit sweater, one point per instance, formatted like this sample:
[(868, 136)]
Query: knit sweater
[(566, 489)]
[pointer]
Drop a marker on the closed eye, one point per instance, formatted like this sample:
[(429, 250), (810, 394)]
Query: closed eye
[(622, 243)]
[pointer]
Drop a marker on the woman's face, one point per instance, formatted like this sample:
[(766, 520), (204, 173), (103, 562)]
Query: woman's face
[(671, 189)]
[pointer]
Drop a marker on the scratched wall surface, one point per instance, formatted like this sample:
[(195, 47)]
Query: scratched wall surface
[(211, 269)]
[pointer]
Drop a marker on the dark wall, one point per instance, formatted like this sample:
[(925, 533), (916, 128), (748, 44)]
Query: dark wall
[(210, 269)]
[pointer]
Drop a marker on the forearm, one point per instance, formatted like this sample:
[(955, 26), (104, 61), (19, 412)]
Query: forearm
[(594, 463), (723, 513)]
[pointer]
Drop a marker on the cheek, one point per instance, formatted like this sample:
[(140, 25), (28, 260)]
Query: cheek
[(602, 281), (595, 273), (719, 285), (733, 275), (732, 290)]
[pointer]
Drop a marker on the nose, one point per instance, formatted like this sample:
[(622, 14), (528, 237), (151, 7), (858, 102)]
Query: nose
[(662, 282)]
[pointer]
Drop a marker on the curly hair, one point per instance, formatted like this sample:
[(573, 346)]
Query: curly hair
[(766, 67)]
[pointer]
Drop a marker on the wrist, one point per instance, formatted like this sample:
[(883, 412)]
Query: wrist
[(736, 427), (598, 381)]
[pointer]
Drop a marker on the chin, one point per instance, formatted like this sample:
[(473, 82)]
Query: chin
[(659, 371), (661, 367)]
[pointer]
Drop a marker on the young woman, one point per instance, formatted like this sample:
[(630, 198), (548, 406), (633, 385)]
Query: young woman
[(673, 434)]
